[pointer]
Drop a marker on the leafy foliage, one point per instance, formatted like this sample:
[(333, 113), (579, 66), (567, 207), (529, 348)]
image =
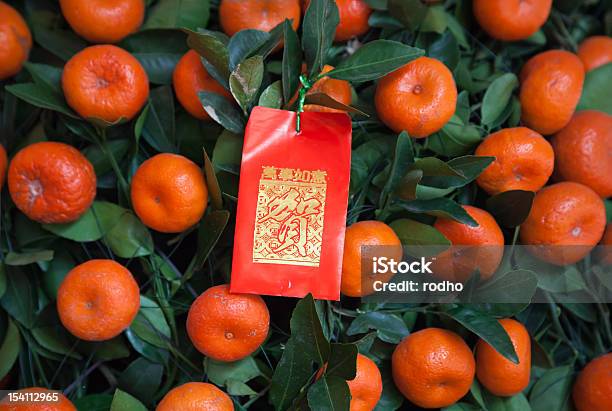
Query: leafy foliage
[(404, 182)]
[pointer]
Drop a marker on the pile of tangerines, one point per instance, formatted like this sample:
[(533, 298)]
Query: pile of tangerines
[(54, 183)]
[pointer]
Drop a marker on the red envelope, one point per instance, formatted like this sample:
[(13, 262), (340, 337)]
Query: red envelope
[(292, 203)]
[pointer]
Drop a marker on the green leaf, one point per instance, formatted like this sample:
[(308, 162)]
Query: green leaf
[(237, 387), (145, 349), (156, 41), (62, 43), (596, 91), (445, 49), (82, 128), (585, 312), (29, 234), (550, 277), (141, 379), (100, 123), (159, 66), (92, 225), (222, 111), (272, 96), (408, 187), (329, 394), (553, 390), (2, 279), (245, 44), (476, 392), (517, 286), (109, 350), (19, 297), (470, 166), (227, 374), (129, 238), (192, 135), (403, 158), (367, 156), (276, 35), (497, 97), (511, 208), (159, 126), (227, 154), (170, 14), (9, 350), (101, 160), (342, 361), (245, 81), (434, 167), (40, 97), (150, 324), (435, 20), (306, 345), (538, 38), (455, 138), (457, 30), (424, 192), (162, 266), (463, 109), (602, 276), (574, 280), (438, 207), (322, 99), (374, 60), (211, 227), (292, 372), (515, 112), (307, 332), (516, 402), (377, 4), (509, 110), (462, 406), (318, 29), (26, 258), (501, 309), (389, 327), (51, 335), (292, 62), (123, 401), (214, 191), (484, 326), (391, 399), (364, 344), (380, 19), (419, 239), (46, 76), (468, 169), (410, 12), (55, 340), (213, 48), (94, 402)]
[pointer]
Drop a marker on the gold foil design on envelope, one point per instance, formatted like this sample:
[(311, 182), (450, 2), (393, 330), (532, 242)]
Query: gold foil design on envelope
[(290, 216)]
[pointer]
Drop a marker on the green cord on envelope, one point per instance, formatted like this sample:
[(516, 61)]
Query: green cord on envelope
[(306, 85)]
